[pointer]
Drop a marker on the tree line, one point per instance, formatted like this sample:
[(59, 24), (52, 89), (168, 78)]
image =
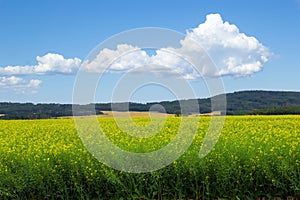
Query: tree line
[(238, 103)]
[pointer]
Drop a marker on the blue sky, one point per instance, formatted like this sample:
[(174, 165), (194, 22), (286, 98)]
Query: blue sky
[(72, 29)]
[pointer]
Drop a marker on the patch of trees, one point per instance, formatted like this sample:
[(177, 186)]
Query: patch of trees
[(284, 110), (238, 103), (39, 111), (245, 102)]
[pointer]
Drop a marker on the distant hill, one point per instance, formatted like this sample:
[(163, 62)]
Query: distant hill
[(39, 111), (245, 102), (238, 103)]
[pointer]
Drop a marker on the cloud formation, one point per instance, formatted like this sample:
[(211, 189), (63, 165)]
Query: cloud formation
[(234, 53), (19, 84), (125, 57), (47, 64)]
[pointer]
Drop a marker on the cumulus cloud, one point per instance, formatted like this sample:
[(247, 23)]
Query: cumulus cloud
[(127, 57), (9, 81), (233, 53), (19, 84), (122, 59), (47, 64)]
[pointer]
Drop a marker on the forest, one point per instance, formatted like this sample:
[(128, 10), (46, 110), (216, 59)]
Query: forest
[(238, 103)]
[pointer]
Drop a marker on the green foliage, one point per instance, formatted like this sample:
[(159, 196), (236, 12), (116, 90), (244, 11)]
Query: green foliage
[(238, 103), (245, 102), (40, 111), (255, 156), (284, 110)]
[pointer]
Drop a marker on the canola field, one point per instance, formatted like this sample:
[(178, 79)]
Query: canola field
[(255, 157)]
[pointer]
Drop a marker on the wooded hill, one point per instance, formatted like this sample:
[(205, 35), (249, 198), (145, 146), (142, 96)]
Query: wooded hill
[(238, 103)]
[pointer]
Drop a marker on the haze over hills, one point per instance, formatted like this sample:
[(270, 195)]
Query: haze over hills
[(238, 103)]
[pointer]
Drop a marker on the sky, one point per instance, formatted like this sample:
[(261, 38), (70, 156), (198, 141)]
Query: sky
[(253, 44)]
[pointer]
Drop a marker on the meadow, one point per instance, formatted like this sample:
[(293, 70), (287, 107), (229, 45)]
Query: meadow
[(255, 157)]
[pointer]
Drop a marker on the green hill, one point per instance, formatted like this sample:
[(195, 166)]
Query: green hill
[(238, 103), (245, 102)]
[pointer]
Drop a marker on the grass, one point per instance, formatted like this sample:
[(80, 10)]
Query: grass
[(256, 156)]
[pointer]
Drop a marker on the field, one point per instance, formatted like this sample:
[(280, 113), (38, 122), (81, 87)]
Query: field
[(255, 157)]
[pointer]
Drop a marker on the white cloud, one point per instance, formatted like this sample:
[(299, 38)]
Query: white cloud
[(34, 83), (19, 84), (9, 81), (234, 53), (125, 57), (47, 64)]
